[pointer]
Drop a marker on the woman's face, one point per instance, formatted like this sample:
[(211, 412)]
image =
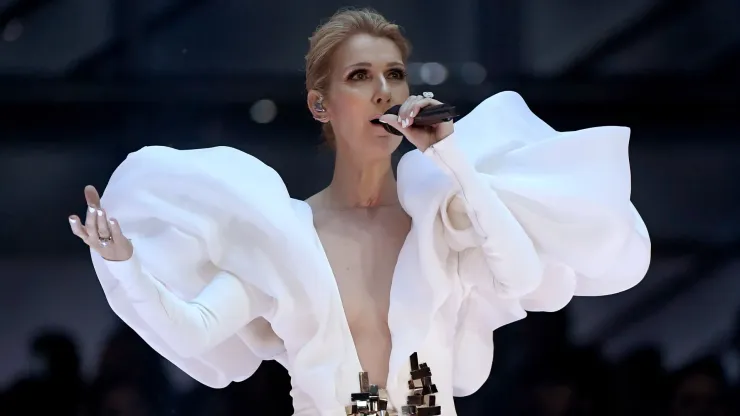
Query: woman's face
[(368, 77)]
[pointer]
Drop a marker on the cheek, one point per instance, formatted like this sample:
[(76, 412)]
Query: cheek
[(347, 105), (401, 92)]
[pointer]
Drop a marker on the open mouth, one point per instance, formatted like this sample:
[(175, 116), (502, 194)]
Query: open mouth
[(376, 118), (390, 129)]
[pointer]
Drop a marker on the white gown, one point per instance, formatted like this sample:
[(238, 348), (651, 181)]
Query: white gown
[(228, 270)]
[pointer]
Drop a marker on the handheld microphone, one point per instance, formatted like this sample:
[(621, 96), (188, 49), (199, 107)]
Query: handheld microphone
[(428, 116)]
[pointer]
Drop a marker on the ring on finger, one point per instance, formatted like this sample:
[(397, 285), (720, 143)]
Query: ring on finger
[(104, 241)]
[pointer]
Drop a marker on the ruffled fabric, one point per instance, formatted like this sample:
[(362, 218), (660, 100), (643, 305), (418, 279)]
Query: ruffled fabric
[(194, 216), (549, 217), (509, 216)]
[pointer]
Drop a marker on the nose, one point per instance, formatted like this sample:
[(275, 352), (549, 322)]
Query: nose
[(383, 93)]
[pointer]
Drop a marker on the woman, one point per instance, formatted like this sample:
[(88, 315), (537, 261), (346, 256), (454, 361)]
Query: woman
[(491, 216)]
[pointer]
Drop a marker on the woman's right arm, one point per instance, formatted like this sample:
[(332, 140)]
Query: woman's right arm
[(188, 327)]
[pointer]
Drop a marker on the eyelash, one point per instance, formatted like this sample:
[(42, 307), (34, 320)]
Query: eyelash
[(400, 74)]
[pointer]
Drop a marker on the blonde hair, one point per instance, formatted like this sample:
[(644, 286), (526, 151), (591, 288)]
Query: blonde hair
[(330, 35)]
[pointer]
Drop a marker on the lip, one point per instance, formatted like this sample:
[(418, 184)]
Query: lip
[(376, 123)]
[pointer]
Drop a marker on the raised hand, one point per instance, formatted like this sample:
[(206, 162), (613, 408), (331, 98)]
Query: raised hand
[(420, 136), (100, 233)]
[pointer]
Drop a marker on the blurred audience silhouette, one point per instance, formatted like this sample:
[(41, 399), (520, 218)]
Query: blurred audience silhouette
[(537, 372)]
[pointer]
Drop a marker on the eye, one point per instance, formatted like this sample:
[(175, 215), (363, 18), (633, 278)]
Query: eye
[(397, 74), (358, 75)]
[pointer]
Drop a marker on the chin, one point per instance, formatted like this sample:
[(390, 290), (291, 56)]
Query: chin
[(372, 144), (387, 143), (378, 147)]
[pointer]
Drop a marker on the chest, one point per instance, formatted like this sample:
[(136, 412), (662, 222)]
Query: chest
[(362, 249)]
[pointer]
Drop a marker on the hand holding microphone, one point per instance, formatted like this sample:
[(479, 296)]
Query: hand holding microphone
[(421, 119)]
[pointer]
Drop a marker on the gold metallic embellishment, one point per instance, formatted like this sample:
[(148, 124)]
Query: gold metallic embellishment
[(367, 402), (421, 401)]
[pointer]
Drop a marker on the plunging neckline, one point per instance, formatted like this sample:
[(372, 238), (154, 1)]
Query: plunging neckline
[(345, 321)]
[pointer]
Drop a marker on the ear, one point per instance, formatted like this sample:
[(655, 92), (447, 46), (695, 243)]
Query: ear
[(316, 105)]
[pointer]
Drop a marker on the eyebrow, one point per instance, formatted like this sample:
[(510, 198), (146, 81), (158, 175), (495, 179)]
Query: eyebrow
[(368, 64)]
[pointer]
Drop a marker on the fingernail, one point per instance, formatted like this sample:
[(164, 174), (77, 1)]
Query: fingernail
[(72, 221), (399, 119), (382, 121), (91, 209), (405, 123), (112, 222), (100, 213), (412, 114)]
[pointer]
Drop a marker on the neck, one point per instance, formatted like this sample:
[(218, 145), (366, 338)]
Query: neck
[(359, 183)]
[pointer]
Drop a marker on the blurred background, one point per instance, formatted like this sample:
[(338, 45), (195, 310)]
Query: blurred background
[(85, 82)]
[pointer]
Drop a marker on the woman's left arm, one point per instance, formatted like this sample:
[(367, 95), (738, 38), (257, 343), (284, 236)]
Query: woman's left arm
[(508, 250), (550, 212), (514, 216), (476, 217)]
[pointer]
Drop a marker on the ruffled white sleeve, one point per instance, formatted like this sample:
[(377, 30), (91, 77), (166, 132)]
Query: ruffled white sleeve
[(190, 327), (531, 217), (227, 271), (543, 206)]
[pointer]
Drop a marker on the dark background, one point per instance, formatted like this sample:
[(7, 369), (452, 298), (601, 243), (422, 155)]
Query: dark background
[(84, 82)]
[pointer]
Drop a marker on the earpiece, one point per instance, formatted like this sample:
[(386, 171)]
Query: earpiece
[(319, 106)]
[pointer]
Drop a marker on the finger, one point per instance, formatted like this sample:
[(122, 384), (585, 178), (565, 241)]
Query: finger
[(92, 197), (391, 120), (91, 223), (414, 109), (76, 225), (399, 117), (419, 104), (115, 230), (103, 229), (405, 110)]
